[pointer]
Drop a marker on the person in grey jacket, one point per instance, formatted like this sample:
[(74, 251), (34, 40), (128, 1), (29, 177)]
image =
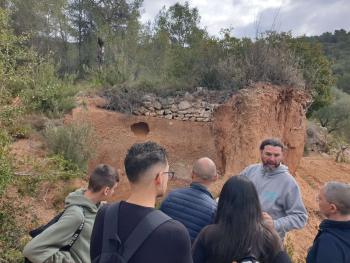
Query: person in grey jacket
[(194, 206), (80, 206), (278, 191)]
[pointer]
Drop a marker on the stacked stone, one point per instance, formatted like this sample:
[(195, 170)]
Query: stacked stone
[(185, 108)]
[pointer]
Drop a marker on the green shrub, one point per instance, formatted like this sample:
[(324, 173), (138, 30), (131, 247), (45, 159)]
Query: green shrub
[(11, 118), (49, 94), (50, 169), (12, 238), (5, 163), (75, 142)]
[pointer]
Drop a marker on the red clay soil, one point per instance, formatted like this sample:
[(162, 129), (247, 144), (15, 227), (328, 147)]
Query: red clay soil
[(255, 114), (231, 140)]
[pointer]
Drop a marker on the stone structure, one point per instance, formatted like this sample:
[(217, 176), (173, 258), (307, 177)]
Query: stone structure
[(198, 106)]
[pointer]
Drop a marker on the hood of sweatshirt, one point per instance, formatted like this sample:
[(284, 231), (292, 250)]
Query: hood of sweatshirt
[(78, 198)]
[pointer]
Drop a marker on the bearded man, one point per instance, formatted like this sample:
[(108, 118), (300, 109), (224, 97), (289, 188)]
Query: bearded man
[(279, 193)]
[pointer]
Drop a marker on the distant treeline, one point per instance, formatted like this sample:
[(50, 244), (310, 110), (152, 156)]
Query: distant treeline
[(173, 52)]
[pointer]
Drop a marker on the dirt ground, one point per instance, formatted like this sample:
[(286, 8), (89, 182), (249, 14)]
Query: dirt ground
[(185, 143), (312, 173)]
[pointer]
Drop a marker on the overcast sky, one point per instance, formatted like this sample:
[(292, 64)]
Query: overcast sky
[(309, 17)]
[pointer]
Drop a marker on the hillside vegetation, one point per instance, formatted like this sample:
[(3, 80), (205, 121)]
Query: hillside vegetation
[(48, 55)]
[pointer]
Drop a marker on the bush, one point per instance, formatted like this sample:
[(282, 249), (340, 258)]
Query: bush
[(267, 59), (75, 142), (5, 163), (123, 99), (49, 94), (11, 243), (49, 169), (336, 116), (11, 118)]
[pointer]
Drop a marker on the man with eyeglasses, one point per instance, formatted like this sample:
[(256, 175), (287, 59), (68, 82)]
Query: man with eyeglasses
[(158, 238), (194, 206)]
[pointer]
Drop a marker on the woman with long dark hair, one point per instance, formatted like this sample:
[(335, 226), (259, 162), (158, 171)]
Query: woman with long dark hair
[(239, 231)]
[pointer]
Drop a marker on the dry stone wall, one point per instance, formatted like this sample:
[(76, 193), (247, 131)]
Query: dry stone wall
[(198, 106)]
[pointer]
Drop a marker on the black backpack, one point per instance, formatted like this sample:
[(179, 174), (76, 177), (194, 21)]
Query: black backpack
[(113, 250), (37, 231)]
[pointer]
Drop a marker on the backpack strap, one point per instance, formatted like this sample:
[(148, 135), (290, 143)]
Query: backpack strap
[(75, 235), (111, 241), (142, 231)]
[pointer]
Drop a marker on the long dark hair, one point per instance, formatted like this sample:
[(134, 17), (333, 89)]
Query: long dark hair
[(240, 228)]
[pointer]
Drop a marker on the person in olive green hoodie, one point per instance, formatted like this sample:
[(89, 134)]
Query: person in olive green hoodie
[(81, 205)]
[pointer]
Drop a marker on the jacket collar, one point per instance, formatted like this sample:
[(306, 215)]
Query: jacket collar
[(201, 188), (334, 224)]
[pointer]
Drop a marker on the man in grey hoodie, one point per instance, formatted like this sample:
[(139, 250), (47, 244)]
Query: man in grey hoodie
[(80, 206), (278, 191)]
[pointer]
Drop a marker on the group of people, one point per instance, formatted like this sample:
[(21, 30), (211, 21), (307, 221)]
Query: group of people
[(247, 223)]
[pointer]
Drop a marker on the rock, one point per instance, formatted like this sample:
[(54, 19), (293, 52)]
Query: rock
[(157, 105), (169, 116), (183, 105), (142, 110), (170, 100), (174, 108), (188, 96), (147, 104), (148, 97)]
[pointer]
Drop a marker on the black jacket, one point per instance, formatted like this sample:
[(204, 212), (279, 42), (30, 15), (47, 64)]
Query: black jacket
[(332, 243)]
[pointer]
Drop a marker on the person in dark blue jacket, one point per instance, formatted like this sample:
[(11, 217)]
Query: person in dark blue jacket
[(194, 206), (332, 243)]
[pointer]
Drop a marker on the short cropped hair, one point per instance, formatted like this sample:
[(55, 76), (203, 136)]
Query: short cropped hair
[(141, 157), (339, 194), (272, 142), (103, 176)]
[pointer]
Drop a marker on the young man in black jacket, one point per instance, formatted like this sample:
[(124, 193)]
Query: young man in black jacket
[(332, 243), (147, 169)]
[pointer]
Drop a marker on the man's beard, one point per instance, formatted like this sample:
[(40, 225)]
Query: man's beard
[(270, 167)]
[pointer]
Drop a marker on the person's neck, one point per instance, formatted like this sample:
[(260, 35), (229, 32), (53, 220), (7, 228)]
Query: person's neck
[(93, 197), (201, 182), (339, 217), (142, 197)]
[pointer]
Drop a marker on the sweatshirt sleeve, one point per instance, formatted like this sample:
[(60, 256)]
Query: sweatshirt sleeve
[(45, 247), (296, 215)]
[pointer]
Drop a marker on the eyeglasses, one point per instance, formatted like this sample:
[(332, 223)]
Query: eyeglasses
[(170, 175)]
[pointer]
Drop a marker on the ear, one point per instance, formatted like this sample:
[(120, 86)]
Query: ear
[(106, 190), (333, 208), (158, 180)]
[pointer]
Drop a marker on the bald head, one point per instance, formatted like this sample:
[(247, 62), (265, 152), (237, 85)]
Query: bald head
[(204, 169)]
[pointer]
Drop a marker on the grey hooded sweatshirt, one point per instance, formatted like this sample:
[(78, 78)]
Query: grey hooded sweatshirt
[(45, 247), (279, 196)]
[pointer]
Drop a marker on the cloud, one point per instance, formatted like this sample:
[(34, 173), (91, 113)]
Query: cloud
[(246, 17)]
